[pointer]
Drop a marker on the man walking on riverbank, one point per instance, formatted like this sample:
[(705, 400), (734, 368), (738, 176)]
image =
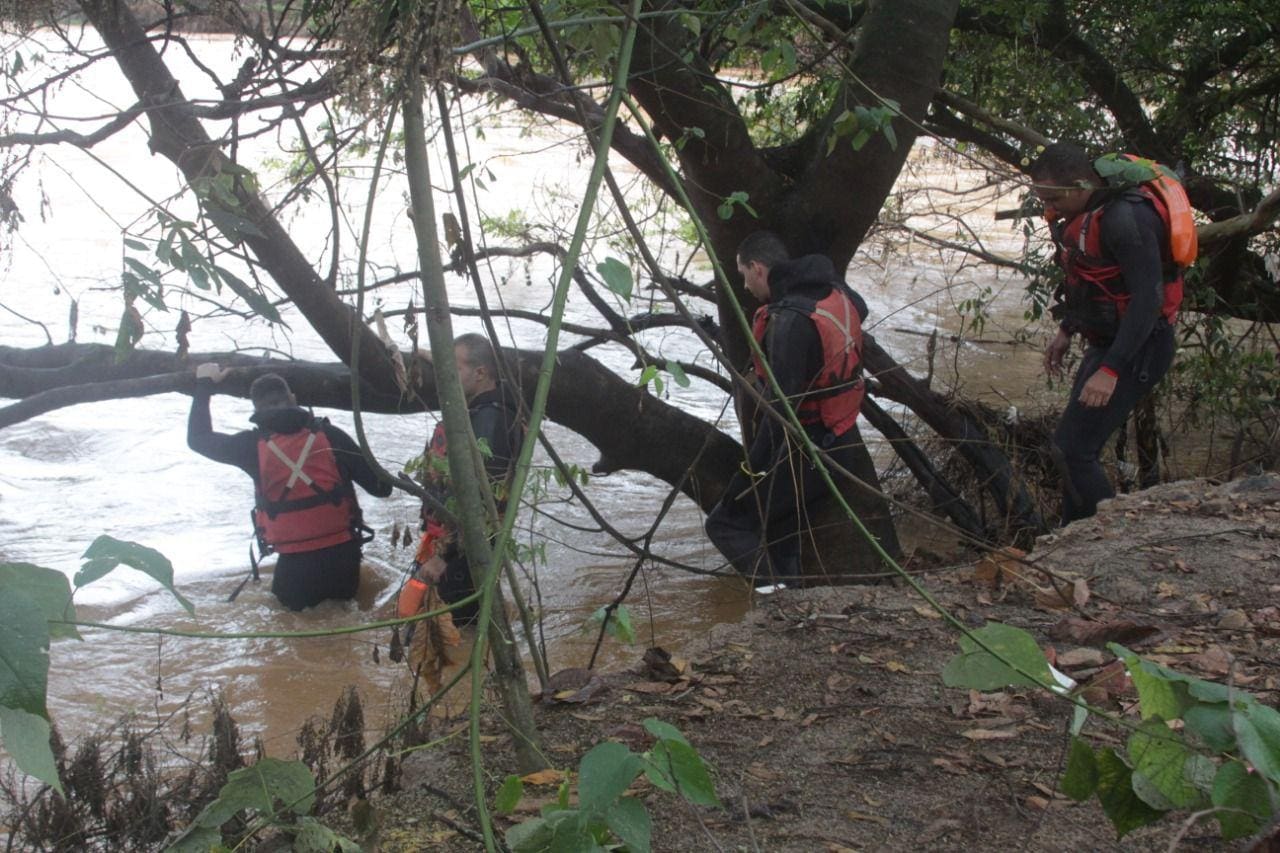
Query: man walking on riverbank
[(302, 467), (497, 426), (810, 328), (1121, 294)]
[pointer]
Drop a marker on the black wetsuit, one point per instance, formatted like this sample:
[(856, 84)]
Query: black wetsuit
[(495, 421), (305, 578), (1133, 237), (776, 510)]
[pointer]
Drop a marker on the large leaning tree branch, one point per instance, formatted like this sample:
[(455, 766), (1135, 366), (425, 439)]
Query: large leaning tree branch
[(590, 400)]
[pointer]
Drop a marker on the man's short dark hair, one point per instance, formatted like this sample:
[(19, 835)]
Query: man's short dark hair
[(479, 352), (765, 247), (270, 391), (1063, 164)]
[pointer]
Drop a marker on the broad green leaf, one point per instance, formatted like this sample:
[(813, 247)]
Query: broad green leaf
[(532, 836), (1257, 729), (977, 669), (1245, 794), (26, 739), (143, 271), (1122, 806), (1162, 692), (678, 374), (235, 227), (663, 731), (605, 774), (260, 304), (630, 822), (1160, 756), (509, 795), (1211, 722), (107, 552), (315, 837), (136, 245), (1081, 777), (890, 136), (675, 766), (24, 654), (258, 787), (619, 625), (50, 590), (561, 832), (617, 277)]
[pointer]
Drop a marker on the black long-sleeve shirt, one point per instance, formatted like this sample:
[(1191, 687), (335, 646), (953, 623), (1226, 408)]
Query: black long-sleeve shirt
[(1133, 237), (241, 448)]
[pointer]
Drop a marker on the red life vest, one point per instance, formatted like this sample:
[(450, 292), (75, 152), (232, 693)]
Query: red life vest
[(836, 393), (1092, 278), (303, 502)]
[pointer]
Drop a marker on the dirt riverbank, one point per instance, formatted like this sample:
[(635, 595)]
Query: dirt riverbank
[(826, 723)]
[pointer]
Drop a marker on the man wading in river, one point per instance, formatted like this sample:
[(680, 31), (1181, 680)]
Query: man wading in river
[(810, 328), (302, 467), (1122, 250), (495, 421)]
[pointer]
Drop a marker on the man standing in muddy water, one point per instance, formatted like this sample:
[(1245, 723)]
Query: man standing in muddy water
[(809, 325), (498, 428), (1120, 293), (302, 467)]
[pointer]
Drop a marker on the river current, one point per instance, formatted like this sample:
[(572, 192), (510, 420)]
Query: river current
[(122, 467)]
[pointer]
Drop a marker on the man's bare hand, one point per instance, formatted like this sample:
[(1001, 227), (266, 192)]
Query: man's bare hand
[(211, 370), (1098, 390), (432, 570), (1055, 352)]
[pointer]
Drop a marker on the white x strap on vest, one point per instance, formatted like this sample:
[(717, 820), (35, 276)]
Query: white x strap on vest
[(843, 326), (295, 467)]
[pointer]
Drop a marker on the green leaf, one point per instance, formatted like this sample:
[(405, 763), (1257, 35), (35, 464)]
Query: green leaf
[(532, 836), (509, 795), (143, 271), (617, 277), (258, 303), (258, 787), (1122, 806), (605, 774), (1160, 756), (235, 227), (106, 552), (663, 731), (1258, 733), (50, 590), (1245, 793), (561, 832), (136, 245), (977, 669), (619, 626), (889, 135), (315, 837), (860, 139), (24, 654), (630, 822), (1081, 777), (26, 739), (1211, 722), (675, 766), (678, 374), (1161, 692)]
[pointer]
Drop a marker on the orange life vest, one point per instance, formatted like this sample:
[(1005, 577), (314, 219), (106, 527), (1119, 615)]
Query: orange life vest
[(836, 393), (1095, 293), (303, 502)]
